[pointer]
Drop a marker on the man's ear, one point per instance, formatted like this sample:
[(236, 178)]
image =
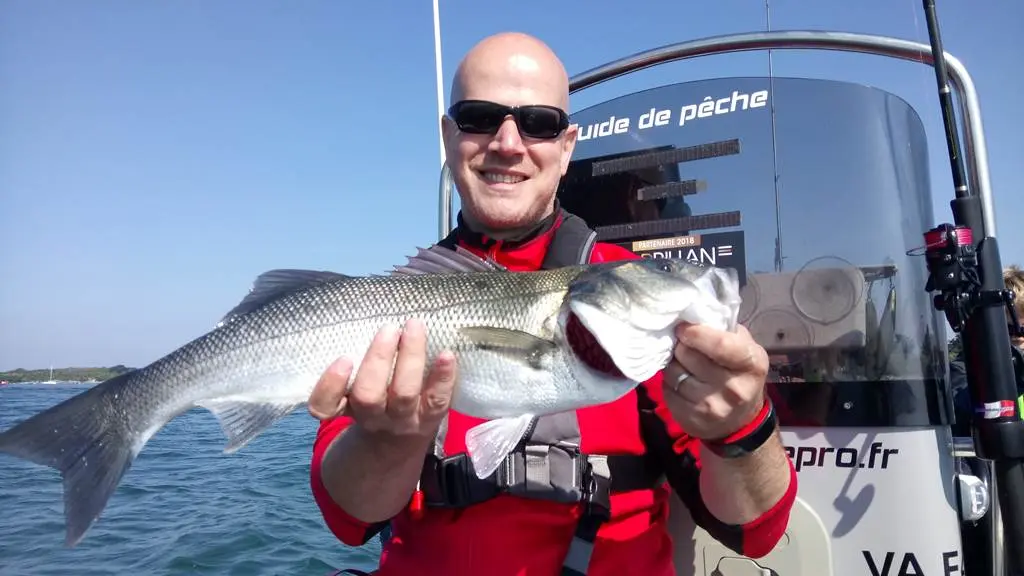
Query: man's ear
[(448, 132), (568, 146)]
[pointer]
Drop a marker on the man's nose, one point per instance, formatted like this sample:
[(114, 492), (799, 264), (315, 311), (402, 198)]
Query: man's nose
[(507, 140)]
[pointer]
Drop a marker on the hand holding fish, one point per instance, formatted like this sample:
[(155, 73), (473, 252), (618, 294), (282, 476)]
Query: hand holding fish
[(715, 384), (401, 403)]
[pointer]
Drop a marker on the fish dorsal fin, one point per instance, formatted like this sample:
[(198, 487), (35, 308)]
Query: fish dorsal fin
[(274, 284), (440, 260)]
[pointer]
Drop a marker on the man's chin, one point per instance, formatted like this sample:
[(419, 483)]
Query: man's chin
[(504, 220), (504, 210), (501, 215)]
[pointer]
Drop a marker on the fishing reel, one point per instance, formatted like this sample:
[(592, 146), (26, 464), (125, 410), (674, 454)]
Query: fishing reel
[(953, 272)]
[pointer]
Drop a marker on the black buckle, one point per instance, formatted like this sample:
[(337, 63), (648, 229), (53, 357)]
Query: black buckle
[(597, 492), (452, 483)]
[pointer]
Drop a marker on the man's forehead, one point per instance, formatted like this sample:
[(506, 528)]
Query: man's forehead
[(512, 89), (513, 73)]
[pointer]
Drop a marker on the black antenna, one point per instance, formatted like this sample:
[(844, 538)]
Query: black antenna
[(965, 269), (775, 155), (956, 163)]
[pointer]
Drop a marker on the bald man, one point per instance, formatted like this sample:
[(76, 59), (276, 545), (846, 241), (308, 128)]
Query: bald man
[(586, 493)]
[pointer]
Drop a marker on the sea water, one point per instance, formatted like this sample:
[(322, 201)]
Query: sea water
[(184, 507)]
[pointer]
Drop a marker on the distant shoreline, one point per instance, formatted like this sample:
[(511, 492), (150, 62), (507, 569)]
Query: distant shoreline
[(73, 374)]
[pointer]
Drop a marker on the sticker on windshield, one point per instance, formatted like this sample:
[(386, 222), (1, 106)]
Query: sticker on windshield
[(721, 249)]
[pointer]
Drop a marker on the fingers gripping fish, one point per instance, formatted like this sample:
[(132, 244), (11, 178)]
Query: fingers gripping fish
[(526, 344)]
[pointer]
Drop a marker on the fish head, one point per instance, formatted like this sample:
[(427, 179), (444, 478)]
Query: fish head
[(630, 310)]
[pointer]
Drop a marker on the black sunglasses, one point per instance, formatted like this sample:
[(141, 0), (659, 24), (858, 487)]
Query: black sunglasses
[(534, 120)]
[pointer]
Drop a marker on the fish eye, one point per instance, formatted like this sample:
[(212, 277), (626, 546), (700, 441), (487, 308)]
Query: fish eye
[(665, 265)]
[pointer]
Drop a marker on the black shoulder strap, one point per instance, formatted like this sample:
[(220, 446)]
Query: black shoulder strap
[(572, 244)]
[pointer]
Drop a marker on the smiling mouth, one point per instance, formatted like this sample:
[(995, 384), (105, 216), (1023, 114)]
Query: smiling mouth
[(500, 178)]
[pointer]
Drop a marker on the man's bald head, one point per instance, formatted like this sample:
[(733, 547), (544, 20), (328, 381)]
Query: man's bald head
[(507, 179), (526, 66)]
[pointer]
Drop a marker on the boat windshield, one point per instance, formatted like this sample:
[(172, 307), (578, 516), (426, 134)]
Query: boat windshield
[(814, 190)]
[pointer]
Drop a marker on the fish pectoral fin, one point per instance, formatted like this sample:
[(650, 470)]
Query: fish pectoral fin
[(516, 344), (489, 443), (274, 284), (243, 419)]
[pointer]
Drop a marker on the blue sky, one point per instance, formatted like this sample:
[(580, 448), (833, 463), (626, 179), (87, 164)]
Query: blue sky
[(156, 157)]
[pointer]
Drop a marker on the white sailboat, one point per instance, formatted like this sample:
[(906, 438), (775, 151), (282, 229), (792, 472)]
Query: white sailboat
[(51, 380)]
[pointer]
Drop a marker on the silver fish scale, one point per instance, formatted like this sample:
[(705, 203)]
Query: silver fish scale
[(276, 353)]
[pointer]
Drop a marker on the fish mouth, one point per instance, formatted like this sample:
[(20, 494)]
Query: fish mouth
[(587, 349), (639, 344)]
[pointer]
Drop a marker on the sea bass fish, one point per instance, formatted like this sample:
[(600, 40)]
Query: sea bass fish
[(526, 344)]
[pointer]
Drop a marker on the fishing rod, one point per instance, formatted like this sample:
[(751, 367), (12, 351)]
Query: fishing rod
[(965, 269)]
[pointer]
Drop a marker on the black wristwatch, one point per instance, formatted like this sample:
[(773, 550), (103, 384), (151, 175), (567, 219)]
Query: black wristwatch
[(752, 440)]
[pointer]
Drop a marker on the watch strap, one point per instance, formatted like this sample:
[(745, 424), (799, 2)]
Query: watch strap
[(750, 437)]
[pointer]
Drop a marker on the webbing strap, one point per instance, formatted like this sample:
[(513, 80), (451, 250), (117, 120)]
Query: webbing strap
[(537, 469), (581, 549), (555, 473), (596, 512), (572, 243), (546, 465)]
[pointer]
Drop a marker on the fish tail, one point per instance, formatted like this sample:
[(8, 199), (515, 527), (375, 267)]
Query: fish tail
[(90, 440)]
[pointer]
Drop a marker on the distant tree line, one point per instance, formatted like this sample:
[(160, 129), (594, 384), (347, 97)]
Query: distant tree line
[(64, 374)]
